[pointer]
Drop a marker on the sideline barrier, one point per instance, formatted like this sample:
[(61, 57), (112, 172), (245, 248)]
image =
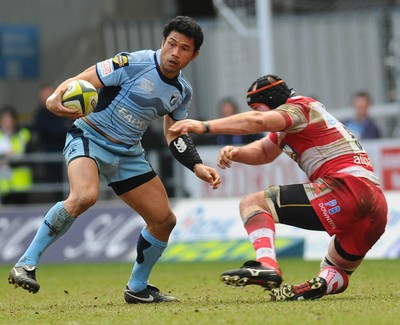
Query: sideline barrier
[(207, 229), (107, 232), (240, 179), (218, 220)]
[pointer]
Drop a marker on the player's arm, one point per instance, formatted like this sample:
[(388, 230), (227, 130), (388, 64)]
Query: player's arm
[(259, 152), (242, 123), (54, 102), (183, 149)]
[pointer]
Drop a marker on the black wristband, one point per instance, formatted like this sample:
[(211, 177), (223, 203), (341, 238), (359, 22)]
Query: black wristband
[(184, 150)]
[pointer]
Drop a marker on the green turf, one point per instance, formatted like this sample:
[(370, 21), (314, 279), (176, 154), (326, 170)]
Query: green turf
[(93, 294)]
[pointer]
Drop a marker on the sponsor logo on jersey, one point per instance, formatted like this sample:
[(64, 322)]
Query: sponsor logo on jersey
[(290, 152), (127, 116), (327, 209), (105, 68), (120, 60), (362, 160), (147, 85), (174, 99), (318, 188)]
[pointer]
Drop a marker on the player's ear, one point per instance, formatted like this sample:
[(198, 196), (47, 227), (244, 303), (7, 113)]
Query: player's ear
[(162, 42), (195, 55)]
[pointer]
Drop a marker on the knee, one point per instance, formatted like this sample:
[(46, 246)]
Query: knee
[(253, 203), (170, 221), (245, 202), (249, 203), (77, 204), (165, 223)]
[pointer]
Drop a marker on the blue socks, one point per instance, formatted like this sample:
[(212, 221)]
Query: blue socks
[(149, 250), (56, 222)]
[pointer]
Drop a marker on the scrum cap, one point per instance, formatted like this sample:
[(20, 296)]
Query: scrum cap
[(270, 90)]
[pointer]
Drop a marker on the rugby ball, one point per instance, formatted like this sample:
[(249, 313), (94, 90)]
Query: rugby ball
[(81, 95)]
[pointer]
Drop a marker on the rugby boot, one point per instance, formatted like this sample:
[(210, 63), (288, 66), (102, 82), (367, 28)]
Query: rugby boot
[(310, 290), (150, 294), (24, 276), (252, 272)]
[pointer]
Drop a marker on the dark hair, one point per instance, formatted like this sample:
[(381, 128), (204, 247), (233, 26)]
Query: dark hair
[(9, 109), (270, 90), (364, 94), (12, 111), (186, 26), (229, 101)]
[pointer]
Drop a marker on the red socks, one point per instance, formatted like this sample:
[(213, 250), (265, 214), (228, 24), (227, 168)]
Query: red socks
[(261, 230), (336, 279)]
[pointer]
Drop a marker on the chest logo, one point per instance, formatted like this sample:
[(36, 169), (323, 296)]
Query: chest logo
[(146, 85), (174, 99)]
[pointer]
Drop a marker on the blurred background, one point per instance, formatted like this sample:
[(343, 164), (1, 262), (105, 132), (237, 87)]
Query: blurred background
[(328, 50), (346, 54)]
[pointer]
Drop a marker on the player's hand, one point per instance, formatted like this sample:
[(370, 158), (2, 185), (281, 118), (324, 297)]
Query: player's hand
[(54, 105), (188, 125), (208, 174), (226, 156)]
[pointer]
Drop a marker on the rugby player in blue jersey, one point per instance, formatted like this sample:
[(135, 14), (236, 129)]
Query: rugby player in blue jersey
[(135, 89)]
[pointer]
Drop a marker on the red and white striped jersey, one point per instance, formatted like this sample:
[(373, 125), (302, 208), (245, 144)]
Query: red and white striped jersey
[(320, 143)]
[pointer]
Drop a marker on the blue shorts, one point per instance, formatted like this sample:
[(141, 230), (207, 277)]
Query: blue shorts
[(122, 166)]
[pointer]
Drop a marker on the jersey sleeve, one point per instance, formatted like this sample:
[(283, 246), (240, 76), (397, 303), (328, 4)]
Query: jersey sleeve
[(111, 72), (181, 112), (296, 117), (273, 137)]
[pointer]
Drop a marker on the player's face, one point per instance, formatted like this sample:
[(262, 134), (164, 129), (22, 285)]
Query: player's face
[(177, 51), (260, 107)]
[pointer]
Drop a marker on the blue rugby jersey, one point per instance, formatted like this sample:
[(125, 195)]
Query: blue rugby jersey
[(135, 93)]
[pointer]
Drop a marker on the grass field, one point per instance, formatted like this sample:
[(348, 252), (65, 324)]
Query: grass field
[(93, 294)]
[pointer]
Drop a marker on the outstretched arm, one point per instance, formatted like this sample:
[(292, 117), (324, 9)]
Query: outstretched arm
[(243, 123)]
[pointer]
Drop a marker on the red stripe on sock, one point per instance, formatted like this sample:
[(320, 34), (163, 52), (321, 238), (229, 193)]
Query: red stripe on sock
[(263, 242), (263, 220)]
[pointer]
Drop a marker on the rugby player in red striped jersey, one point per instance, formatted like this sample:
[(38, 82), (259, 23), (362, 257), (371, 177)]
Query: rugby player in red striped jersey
[(343, 196)]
